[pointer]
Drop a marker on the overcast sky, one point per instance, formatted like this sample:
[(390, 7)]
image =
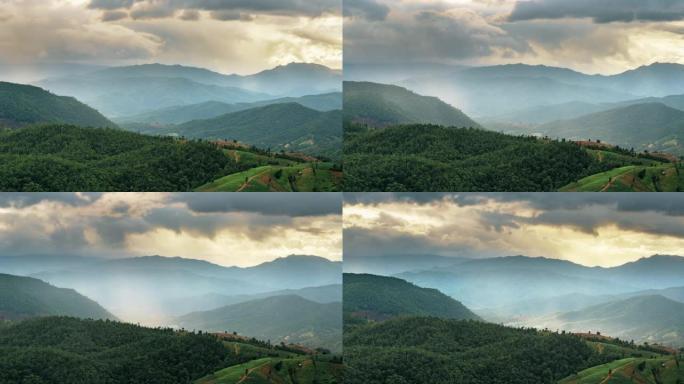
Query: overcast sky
[(227, 229), (230, 36), (592, 36), (587, 228)]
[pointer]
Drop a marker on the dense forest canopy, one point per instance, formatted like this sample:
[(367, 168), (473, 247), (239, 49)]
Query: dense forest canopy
[(440, 351), (69, 158), (437, 158), (379, 297), (58, 350)]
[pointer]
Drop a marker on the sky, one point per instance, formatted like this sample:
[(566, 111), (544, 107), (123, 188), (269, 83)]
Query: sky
[(591, 229), (606, 36), (226, 229), (229, 36)]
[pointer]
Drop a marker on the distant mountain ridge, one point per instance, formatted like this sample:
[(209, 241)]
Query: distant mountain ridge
[(25, 297), (498, 282), (153, 282), (131, 90), (496, 90), (22, 105)]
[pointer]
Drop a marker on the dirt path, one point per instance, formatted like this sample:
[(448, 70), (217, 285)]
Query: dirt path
[(246, 183)]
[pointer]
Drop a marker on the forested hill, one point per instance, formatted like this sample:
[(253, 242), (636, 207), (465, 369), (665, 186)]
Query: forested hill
[(429, 350), (23, 297), (435, 158), (647, 126), (69, 158), (287, 318), (381, 105), (287, 126), (59, 350), (378, 298), (24, 104)]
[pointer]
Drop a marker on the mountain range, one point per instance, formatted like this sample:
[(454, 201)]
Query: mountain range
[(500, 282), (143, 288), (131, 90), (207, 110), (500, 89), (22, 105)]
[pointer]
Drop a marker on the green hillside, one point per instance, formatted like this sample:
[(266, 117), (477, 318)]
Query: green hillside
[(648, 126), (287, 126), (59, 350), (379, 298), (644, 319), (24, 297), (440, 351), (69, 158), (288, 318), (434, 158), (381, 105), (22, 105)]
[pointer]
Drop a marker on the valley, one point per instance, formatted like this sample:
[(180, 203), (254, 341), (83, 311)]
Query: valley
[(409, 135), (462, 346), (291, 139), (226, 337)]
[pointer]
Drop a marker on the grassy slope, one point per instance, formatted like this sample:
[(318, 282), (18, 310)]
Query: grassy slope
[(627, 371), (297, 370), (264, 179), (626, 178)]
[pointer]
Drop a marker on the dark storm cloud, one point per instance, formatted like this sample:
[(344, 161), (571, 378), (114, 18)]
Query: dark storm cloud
[(162, 8), (20, 200), (256, 227), (603, 11), (114, 15), (286, 204), (430, 36), (368, 9), (110, 4), (386, 197), (359, 242), (671, 204)]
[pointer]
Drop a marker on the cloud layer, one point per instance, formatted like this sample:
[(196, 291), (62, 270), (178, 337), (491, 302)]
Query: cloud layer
[(228, 229), (607, 36), (592, 229), (228, 36)]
